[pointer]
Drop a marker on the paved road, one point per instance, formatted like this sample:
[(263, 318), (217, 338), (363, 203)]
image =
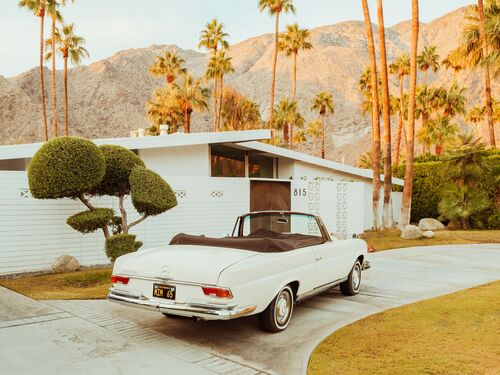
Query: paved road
[(397, 277)]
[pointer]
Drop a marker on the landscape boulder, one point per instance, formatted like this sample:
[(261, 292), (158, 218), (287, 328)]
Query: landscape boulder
[(428, 234), (430, 224), (66, 263), (411, 232)]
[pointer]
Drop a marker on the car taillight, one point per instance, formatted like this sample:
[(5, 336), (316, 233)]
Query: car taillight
[(115, 279), (217, 292)]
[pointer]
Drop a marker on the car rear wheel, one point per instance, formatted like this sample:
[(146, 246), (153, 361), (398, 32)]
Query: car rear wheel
[(277, 315), (351, 286)]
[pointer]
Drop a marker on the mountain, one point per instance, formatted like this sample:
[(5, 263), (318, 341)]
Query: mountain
[(107, 97)]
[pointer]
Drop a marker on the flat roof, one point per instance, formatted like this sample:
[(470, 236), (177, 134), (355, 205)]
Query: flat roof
[(27, 150), (306, 158)]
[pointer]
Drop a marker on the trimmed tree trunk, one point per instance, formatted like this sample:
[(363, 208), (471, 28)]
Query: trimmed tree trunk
[(294, 90), (42, 82), (375, 114), (400, 121), (410, 147), (322, 136), (54, 103), (66, 103), (387, 209), (221, 93), (273, 79), (286, 134), (487, 81), (215, 103)]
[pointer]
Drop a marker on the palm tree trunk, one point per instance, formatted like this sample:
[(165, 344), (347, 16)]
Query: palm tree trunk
[(408, 184), (286, 134), (322, 136), (54, 104), (221, 93), (400, 121), (273, 79), (291, 137), (42, 83), (487, 81), (375, 114), (215, 103), (387, 209), (187, 120), (294, 76), (300, 146), (66, 103)]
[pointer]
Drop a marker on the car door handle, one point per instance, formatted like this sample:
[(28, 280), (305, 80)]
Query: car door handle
[(318, 258)]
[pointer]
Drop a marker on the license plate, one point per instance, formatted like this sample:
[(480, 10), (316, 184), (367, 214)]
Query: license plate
[(164, 291)]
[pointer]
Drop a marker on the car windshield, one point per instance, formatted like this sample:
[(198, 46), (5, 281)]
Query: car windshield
[(283, 223)]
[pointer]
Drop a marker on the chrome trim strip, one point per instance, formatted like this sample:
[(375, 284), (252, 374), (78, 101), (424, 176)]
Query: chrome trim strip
[(320, 289), (195, 309), (158, 279)]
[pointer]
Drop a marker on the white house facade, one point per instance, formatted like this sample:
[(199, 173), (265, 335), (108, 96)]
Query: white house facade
[(215, 176)]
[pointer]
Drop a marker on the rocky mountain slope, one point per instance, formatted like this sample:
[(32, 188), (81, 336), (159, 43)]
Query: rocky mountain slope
[(107, 97)]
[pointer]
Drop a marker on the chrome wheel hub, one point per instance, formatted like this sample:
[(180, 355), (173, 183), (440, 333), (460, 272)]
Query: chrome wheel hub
[(356, 276), (283, 308)]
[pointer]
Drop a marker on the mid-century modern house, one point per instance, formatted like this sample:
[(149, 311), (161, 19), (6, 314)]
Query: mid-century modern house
[(215, 176)]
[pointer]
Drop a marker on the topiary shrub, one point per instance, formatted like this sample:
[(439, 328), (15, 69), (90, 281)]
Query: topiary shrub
[(151, 195), (119, 164), (90, 221), (120, 244), (65, 167)]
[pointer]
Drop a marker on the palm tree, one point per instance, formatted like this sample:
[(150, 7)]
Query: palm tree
[(314, 130), (453, 100), (69, 46), (223, 66), (52, 7), (476, 115), (427, 101), (386, 110), (375, 112), (163, 108), (299, 138), (170, 65), (479, 35), (323, 104), (190, 97), (275, 8), (212, 37), (38, 7), (291, 42), (452, 62), (410, 146), (428, 59), (400, 68), (238, 112), (441, 132), (288, 116)]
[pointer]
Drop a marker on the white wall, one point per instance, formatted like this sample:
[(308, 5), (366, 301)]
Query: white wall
[(178, 161)]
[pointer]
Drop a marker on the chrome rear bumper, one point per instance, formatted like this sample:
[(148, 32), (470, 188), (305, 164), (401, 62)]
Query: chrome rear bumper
[(201, 310)]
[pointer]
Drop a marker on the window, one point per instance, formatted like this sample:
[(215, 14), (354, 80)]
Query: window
[(227, 162), (260, 166)]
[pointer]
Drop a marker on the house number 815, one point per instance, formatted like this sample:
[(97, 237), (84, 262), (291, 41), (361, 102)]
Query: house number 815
[(300, 192)]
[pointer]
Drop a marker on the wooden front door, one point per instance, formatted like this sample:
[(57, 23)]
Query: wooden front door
[(270, 195)]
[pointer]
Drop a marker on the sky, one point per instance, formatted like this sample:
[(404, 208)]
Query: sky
[(113, 25)]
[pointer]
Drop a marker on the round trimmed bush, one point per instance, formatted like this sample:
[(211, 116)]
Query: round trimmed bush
[(151, 195), (119, 164), (65, 167), (90, 221), (120, 244)]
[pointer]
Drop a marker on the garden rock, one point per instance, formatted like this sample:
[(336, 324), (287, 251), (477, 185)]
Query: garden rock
[(411, 232), (66, 263), (430, 224), (428, 234)]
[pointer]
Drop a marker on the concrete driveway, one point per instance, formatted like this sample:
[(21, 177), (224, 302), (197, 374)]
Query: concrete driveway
[(109, 335)]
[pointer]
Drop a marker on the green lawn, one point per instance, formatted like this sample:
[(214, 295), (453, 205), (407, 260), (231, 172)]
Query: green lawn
[(454, 334), (86, 284), (391, 238)]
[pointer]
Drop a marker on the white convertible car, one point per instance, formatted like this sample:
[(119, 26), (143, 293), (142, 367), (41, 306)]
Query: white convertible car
[(271, 261)]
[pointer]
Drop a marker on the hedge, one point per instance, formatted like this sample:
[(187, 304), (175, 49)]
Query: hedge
[(151, 195), (65, 167), (90, 221), (119, 164), (428, 182), (121, 244)]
